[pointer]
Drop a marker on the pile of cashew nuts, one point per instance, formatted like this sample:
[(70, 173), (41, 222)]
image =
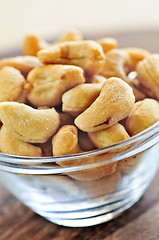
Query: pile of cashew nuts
[(76, 95)]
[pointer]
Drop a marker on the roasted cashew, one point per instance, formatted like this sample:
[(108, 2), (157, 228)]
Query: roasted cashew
[(9, 144), (144, 114), (23, 63), (46, 84), (32, 44), (66, 142), (79, 98), (28, 124), (148, 74), (113, 104), (114, 65), (70, 35), (108, 44), (11, 84), (136, 55), (108, 136), (86, 54)]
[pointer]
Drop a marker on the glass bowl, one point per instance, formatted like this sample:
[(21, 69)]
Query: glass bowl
[(110, 180)]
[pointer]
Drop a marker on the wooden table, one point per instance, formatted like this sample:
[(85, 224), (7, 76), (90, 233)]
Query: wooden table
[(140, 222)]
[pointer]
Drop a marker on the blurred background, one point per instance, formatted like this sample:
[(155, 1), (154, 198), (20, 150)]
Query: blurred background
[(96, 18)]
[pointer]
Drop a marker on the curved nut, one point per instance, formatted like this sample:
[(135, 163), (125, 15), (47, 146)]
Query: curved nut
[(96, 79), (86, 54), (108, 44), (9, 144), (108, 136), (32, 44), (144, 114), (11, 84), (70, 35), (28, 124), (66, 142), (114, 65), (134, 83), (113, 104), (136, 55), (79, 98), (148, 74), (23, 63), (48, 83)]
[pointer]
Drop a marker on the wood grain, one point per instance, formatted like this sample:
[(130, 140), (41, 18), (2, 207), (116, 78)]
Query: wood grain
[(141, 221)]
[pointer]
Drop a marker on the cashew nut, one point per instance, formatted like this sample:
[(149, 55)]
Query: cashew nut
[(113, 104), (79, 98), (70, 35), (108, 44), (144, 114), (9, 144), (86, 54), (114, 65), (46, 84), (11, 84), (148, 74), (32, 44), (67, 135), (108, 136), (136, 55), (23, 63), (28, 124)]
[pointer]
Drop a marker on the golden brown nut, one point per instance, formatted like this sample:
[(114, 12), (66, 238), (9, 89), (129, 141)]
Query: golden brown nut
[(108, 44), (114, 65), (32, 44), (9, 144), (108, 136), (23, 63), (46, 84), (79, 98), (136, 55), (70, 35), (144, 114), (28, 124), (86, 54), (113, 104), (148, 74), (66, 142), (134, 83), (96, 79), (11, 84)]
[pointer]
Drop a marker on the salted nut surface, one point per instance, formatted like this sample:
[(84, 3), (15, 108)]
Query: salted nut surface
[(72, 96)]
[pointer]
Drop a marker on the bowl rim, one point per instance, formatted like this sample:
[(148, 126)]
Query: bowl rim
[(30, 165)]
